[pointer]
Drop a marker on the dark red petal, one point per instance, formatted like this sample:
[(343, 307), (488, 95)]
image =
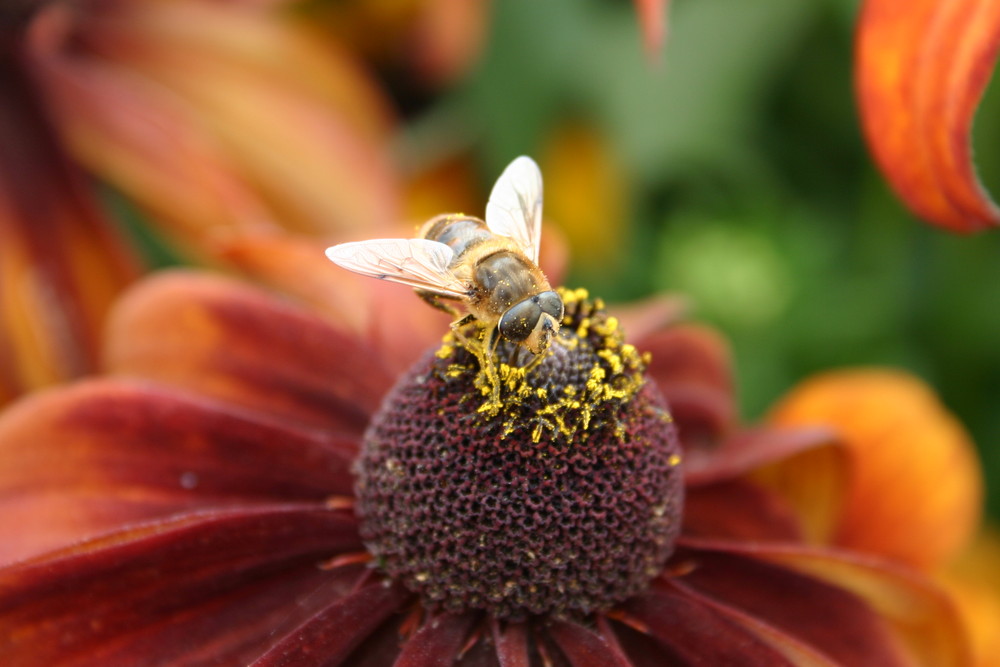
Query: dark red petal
[(689, 353), (329, 637), (586, 648), (220, 338), (696, 634), (128, 592), (438, 643), (752, 449), (738, 509), (807, 467), (512, 644), (644, 318), (840, 604), (692, 366), (60, 263), (81, 461), (921, 69), (388, 317)]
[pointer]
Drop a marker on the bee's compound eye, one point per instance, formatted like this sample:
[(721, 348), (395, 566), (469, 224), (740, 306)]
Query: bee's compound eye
[(519, 320), (551, 304)]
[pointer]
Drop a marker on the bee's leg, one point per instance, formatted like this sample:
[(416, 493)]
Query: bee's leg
[(535, 360), (434, 300), (489, 364), (465, 341), (514, 360)]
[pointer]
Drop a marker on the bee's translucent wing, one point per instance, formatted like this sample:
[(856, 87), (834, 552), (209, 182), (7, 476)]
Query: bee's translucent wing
[(515, 205), (419, 263)]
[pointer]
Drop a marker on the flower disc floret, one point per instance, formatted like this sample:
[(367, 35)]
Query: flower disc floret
[(564, 498)]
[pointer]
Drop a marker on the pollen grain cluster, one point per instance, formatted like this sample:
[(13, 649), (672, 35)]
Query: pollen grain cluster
[(565, 499)]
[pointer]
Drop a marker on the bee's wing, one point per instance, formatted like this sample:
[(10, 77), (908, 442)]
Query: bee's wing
[(419, 263), (515, 205)]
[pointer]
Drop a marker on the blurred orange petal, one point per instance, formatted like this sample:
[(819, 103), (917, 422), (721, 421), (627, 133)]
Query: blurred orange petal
[(60, 266), (218, 115), (653, 20), (974, 580), (916, 488), (444, 184), (448, 36), (585, 195), (921, 69)]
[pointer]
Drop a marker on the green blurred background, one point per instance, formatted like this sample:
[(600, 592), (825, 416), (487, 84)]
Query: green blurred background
[(747, 188)]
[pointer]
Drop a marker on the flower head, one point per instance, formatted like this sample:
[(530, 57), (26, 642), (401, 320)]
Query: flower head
[(462, 504)]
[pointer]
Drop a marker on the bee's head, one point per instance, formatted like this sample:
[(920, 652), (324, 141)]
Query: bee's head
[(534, 321)]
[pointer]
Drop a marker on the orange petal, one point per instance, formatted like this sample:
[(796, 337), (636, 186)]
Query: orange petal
[(60, 265), (916, 488), (921, 69), (222, 339), (974, 580), (181, 105)]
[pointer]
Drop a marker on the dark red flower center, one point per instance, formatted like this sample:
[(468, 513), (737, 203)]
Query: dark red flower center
[(564, 497)]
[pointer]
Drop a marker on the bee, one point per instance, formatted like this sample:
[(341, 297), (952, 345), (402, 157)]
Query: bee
[(488, 267)]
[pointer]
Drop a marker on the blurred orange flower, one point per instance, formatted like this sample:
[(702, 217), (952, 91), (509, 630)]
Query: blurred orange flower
[(915, 495), (214, 118)]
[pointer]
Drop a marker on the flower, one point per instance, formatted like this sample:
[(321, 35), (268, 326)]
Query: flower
[(197, 503), (914, 459), (175, 105)]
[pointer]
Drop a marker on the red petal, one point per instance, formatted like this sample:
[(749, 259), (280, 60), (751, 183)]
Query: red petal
[(438, 643), (131, 594), (697, 634), (389, 317), (922, 67), (826, 617), (81, 461), (512, 644), (817, 594), (692, 366), (640, 319), (220, 338), (753, 449), (329, 637), (739, 510), (586, 648)]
